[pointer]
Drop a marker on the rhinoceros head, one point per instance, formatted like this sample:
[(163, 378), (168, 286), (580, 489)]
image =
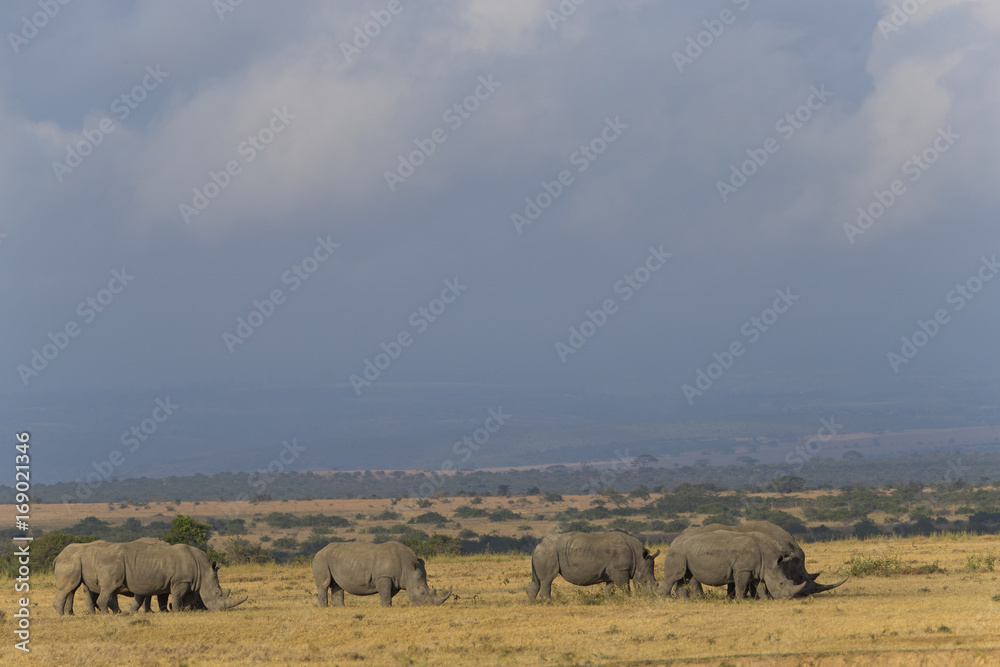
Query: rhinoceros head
[(644, 572), (415, 581), (213, 595)]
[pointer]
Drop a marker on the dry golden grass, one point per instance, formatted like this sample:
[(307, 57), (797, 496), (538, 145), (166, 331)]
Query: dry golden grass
[(945, 618)]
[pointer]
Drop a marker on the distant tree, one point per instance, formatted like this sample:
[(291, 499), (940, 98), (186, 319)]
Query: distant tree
[(747, 460), (787, 484), (866, 528), (639, 493), (645, 460), (503, 490), (550, 497), (615, 497)]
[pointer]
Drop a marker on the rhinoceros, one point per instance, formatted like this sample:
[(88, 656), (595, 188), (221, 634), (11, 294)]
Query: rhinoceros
[(722, 558), (794, 561), (76, 566), (586, 559), (145, 570), (361, 568)]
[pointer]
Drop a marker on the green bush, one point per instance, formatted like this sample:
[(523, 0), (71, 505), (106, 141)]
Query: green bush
[(504, 514), (44, 549), (467, 512), (976, 562), (578, 527), (429, 517), (883, 565), (240, 551), (628, 525), (287, 520), (185, 530), (435, 545)]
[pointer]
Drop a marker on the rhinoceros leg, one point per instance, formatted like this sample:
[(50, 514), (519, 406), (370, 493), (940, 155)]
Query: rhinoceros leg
[(105, 598), (63, 601), (177, 593), (386, 590), (89, 600), (742, 583), (534, 586), (337, 593)]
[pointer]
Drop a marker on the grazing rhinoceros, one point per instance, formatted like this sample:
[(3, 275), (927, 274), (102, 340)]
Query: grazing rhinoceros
[(76, 565), (146, 570), (722, 558), (361, 568), (586, 559), (794, 562)]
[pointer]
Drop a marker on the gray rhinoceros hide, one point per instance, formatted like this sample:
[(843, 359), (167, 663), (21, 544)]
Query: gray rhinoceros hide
[(721, 558), (146, 570), (586, 559), (361, 568)]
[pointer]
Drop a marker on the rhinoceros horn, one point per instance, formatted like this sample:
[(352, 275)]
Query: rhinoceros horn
[(218, 604), (819, 588), (439, 599)]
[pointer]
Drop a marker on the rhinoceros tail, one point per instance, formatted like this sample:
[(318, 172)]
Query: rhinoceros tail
[(535, 584)]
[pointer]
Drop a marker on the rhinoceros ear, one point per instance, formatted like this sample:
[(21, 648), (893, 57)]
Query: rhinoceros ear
[(652, 556), (215, 565), (417, 563)]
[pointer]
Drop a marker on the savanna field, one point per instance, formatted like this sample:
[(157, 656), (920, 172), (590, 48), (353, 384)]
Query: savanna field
[(910, 601)]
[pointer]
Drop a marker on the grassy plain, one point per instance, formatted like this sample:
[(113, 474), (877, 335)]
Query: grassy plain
[(949, 616)]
